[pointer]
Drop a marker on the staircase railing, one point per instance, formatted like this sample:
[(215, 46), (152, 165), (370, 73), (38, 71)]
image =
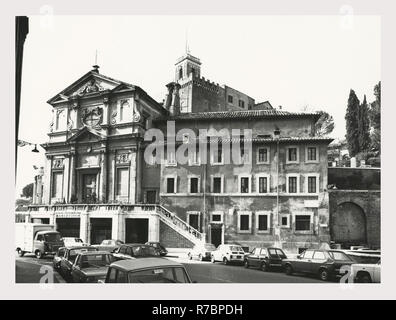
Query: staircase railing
[(163, 212)]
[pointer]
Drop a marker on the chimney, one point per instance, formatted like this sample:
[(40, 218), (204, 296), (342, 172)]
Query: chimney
[(280, 107), (174, 109), (168, 97)]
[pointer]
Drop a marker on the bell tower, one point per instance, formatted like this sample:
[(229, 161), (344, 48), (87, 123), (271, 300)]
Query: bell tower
[(186, 68)]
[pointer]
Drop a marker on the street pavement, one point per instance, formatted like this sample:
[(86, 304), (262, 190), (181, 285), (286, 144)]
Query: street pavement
[(31, 270)]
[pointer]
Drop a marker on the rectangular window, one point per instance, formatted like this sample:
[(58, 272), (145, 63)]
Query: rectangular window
[(241, 103), (194, 185), (262, 155), (244, 184), (216, 185), (57, 178), (244, 222), (230, 99), (263, 185), (218, 154), (303, 222), (292, 154), (216, 217), (311, 154), (292, 185), (170, 158), (170, 185), (122, 181), (262, 222), (312, 185)]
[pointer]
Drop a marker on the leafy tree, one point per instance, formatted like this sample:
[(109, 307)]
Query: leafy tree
[(375, 118), (27, 191), (325, 124), (352, 122), (363, 126)]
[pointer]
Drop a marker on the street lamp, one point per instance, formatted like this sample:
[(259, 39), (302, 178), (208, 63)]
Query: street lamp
[(278, 243)]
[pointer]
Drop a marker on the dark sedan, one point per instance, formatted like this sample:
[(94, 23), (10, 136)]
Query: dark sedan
[(324, 263), (265, 258), (135, 250), (159, 247), (91, 266)]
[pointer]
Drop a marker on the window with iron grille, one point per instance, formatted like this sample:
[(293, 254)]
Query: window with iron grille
[(292, 154), (303, 223), (312, 185), (263, 222), (292, 185), (263, 185), (244, 185), (311, 153)]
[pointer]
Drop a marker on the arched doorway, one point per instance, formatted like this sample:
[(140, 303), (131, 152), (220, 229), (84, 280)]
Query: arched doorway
[(348, 226)]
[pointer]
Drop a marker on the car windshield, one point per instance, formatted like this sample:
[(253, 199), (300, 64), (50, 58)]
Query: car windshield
[(143, 251), (96, 260), (209, 246), (52, 237), (159, 275), (78, 240), (236, 248), (337, 255)]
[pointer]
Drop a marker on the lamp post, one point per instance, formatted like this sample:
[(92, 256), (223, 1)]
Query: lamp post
[(278, 243)]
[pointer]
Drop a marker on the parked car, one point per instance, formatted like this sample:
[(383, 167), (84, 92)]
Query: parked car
[(202, 251), (149, 270), (159, 247), (265, 258), (135, 250), (366, 273), (228, 253), (58, 258), (66, 260), (91, 266), (363, 257), (109, 245), (324, 263), (73, 242)]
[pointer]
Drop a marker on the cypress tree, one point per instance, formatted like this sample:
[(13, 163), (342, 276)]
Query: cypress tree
[(364, 126), (352, 123)]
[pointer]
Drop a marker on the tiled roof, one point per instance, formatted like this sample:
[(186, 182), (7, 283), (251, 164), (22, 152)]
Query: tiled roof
[(223, 115)]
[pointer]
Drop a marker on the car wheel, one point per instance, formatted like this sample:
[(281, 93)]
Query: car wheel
[(324, 275), (38, 254), (365, 278), (20, 253), (246, 264), (225, 261), (212, 259), (264, 267), (288, 269), (200, 257)]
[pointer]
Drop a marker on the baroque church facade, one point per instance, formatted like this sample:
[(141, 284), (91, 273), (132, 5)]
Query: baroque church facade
[(97, 185)]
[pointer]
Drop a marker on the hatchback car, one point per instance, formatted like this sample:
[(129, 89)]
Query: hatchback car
[(91, 266), (265, 258), (324, 263), (135, 250), (202, 251), (228, 253), (149, 270), (159, 247)]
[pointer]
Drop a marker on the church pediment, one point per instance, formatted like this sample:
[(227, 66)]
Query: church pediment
[(87, 135), (90, 84)]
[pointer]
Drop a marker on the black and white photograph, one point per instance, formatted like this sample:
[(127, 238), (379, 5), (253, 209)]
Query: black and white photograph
[(192, 150)]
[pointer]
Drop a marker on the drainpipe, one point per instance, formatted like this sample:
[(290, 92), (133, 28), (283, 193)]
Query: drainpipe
[(278, 242)]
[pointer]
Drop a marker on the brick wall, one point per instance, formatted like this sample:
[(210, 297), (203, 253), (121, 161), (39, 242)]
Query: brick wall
[(172, 239)]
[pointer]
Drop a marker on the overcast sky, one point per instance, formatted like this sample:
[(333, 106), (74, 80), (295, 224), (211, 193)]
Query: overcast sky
[(291, 61)]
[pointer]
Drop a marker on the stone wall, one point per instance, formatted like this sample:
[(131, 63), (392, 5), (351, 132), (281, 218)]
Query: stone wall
[(172, 239)]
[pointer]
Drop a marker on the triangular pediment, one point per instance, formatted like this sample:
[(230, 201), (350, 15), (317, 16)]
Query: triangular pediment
[(89, 84), (87, 135)]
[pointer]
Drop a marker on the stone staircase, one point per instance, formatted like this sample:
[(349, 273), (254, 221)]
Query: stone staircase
[(179, 225)]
